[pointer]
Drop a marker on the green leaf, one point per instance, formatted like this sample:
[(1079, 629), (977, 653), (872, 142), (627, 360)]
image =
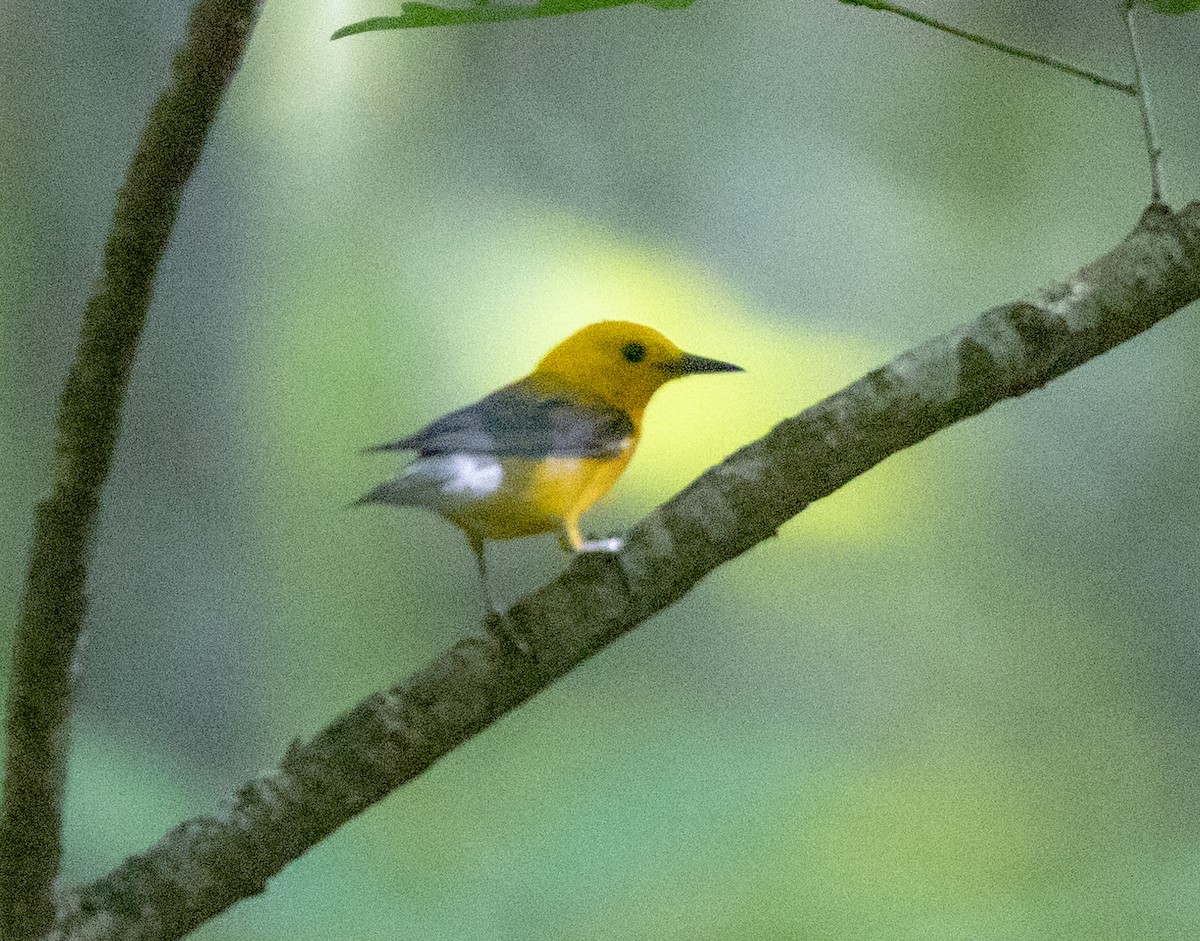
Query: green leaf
[(1175, 7), (413, 15)]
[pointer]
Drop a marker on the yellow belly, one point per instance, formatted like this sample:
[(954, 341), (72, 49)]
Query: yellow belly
[(540, 496)]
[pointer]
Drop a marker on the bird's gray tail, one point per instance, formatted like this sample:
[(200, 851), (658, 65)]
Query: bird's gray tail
[(386, 492)]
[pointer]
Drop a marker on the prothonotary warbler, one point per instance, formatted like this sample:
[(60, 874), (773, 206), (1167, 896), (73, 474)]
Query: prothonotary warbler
[(531, 457)]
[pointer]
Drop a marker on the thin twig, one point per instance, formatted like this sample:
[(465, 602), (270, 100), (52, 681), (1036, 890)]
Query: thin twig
[(205, 865), (1016, 51), (1143, 96), (53, 605)]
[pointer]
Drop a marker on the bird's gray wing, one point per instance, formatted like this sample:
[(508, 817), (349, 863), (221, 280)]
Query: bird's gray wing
[(515, 422)]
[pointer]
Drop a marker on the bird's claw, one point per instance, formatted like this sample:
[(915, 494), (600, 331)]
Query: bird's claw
[(611, 544), (496, 624)]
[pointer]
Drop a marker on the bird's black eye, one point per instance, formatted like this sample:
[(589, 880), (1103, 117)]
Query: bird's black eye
[(633, 352)]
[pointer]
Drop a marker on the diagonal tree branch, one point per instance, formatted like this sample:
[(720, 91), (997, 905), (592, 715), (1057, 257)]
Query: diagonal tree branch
[(53, 605), (205, 865)]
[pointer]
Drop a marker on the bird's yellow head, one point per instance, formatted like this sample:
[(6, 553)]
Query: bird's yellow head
[(622, 363)]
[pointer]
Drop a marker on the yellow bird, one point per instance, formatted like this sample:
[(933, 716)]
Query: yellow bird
[(533, 456)]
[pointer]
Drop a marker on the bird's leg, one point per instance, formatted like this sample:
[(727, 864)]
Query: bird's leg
[(477, 547), (493, 621), (576, 541)]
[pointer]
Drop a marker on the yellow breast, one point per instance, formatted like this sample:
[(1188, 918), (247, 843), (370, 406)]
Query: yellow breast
[(539, 496)]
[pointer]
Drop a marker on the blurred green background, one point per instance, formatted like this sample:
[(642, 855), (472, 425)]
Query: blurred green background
[(958, 699)]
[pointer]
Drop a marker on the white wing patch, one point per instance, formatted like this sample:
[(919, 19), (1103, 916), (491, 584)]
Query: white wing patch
[(469, 476)]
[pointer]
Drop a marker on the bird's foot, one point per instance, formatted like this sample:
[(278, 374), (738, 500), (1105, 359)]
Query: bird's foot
[(498, 626), (611, 544)]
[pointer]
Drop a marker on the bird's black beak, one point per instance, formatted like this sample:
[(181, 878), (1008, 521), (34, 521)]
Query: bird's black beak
[(687, 364)]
